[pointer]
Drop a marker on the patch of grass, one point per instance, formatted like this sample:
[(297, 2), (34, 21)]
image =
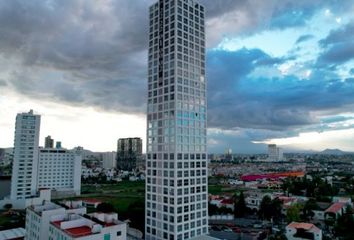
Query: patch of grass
[(124, 186), (220, 189), (215, 189)]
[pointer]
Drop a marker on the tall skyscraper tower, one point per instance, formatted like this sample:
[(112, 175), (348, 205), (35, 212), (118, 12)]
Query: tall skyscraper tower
[(176, 163), (24, 170)]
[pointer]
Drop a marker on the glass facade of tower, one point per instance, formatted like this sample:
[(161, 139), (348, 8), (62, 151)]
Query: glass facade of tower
[(176, 163)]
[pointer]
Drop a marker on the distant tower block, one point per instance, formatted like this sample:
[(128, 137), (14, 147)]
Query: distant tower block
[(129, 153), (48, 142), (275, 153)]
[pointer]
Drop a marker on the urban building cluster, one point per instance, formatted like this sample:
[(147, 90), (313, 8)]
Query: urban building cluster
[(309, 196), (188, 194), (42, 173), (35, 167)]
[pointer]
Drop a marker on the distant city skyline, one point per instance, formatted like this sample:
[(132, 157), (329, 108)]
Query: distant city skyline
[(279, 72)]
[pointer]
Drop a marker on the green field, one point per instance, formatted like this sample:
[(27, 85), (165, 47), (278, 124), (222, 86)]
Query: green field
[(220, 189), (126, 197), (120, 195)]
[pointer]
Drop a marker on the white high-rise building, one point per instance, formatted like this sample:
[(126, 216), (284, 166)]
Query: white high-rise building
[(60, 170), (275, 153), (176, 162), (24, 170)]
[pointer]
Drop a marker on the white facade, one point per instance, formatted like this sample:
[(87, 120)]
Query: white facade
[(176, 161), (96, 226), (275, 153), (254, 199), (24, 171), (109, 160), (60, 170), (39, 216)]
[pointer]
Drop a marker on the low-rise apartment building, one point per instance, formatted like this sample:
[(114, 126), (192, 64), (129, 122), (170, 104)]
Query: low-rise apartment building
[(95, 226)]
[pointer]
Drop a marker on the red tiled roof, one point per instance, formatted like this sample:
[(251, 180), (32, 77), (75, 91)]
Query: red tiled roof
[(91, 200), (254, 177), (286, 200), (227, 201), (335, 207), (79, 231), (305, 226), (74, 232)]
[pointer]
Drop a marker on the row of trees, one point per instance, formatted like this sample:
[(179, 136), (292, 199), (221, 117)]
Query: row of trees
[(344, 226), (316, 188), (269, 209)]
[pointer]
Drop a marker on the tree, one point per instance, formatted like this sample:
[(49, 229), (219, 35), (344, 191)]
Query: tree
[(105, 207), (344, 227), (7, 206), (265, 209), (277, 206), (212, 209), (270, 208), (293, 213), (309, 206), (240, 206)]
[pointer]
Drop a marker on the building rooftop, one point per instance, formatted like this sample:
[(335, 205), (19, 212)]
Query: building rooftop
[(204, 238), (306, 226), (71, 204), (76, 232), (46, 206), (91, 200), (15, 233), (227, 201), (335, 207), (76, 225)]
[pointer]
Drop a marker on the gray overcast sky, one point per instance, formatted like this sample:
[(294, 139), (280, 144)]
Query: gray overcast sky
[(278, 71)]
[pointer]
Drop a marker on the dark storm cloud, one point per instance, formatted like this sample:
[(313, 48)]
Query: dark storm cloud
[(237, 99), (304, 38), (338, 46), (95, 50), (93, 53), (73, 35)]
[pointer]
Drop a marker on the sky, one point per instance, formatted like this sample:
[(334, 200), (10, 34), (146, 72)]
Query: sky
[(278, 71)]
